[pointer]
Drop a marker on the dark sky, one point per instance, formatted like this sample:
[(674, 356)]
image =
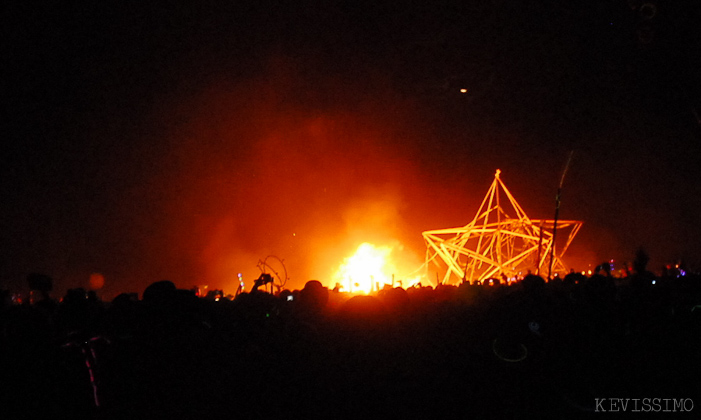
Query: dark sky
[(188, 141)]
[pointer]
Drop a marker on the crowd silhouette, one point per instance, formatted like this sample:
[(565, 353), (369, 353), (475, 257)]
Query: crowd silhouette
[(530, 349)]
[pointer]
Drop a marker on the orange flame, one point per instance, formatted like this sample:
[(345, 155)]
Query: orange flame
[(370, 268), (367, 268)]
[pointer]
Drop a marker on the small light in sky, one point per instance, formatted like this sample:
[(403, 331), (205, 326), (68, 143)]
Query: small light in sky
[(97, 281), (463, 90)]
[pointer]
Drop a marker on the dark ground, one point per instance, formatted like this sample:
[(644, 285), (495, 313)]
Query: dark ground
[(531, 350)]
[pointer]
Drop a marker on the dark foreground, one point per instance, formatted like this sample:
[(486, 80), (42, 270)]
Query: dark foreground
[(531, 350)]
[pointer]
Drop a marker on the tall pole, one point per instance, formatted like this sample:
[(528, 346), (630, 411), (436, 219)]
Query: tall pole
[(540, 248), (558, 197)]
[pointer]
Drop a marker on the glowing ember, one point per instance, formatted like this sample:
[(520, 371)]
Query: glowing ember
[(370, 268)]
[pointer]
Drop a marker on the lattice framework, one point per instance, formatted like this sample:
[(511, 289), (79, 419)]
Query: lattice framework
[(495, 244)]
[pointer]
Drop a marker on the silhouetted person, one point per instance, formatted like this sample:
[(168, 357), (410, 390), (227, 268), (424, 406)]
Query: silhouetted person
[(573, 278), (40, 287), (313, 298), (533, 284), (159, 290)]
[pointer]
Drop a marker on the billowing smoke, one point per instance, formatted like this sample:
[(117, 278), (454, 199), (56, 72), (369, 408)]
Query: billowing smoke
[(282, 165)]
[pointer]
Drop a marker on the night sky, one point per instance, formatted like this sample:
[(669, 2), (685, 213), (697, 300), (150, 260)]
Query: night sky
[(187, 141)]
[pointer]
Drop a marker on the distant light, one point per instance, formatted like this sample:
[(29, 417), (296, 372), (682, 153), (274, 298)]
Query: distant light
[(97, 281), (463, 90)]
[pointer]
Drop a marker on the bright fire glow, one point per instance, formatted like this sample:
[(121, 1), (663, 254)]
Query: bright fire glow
[(369, 268)]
